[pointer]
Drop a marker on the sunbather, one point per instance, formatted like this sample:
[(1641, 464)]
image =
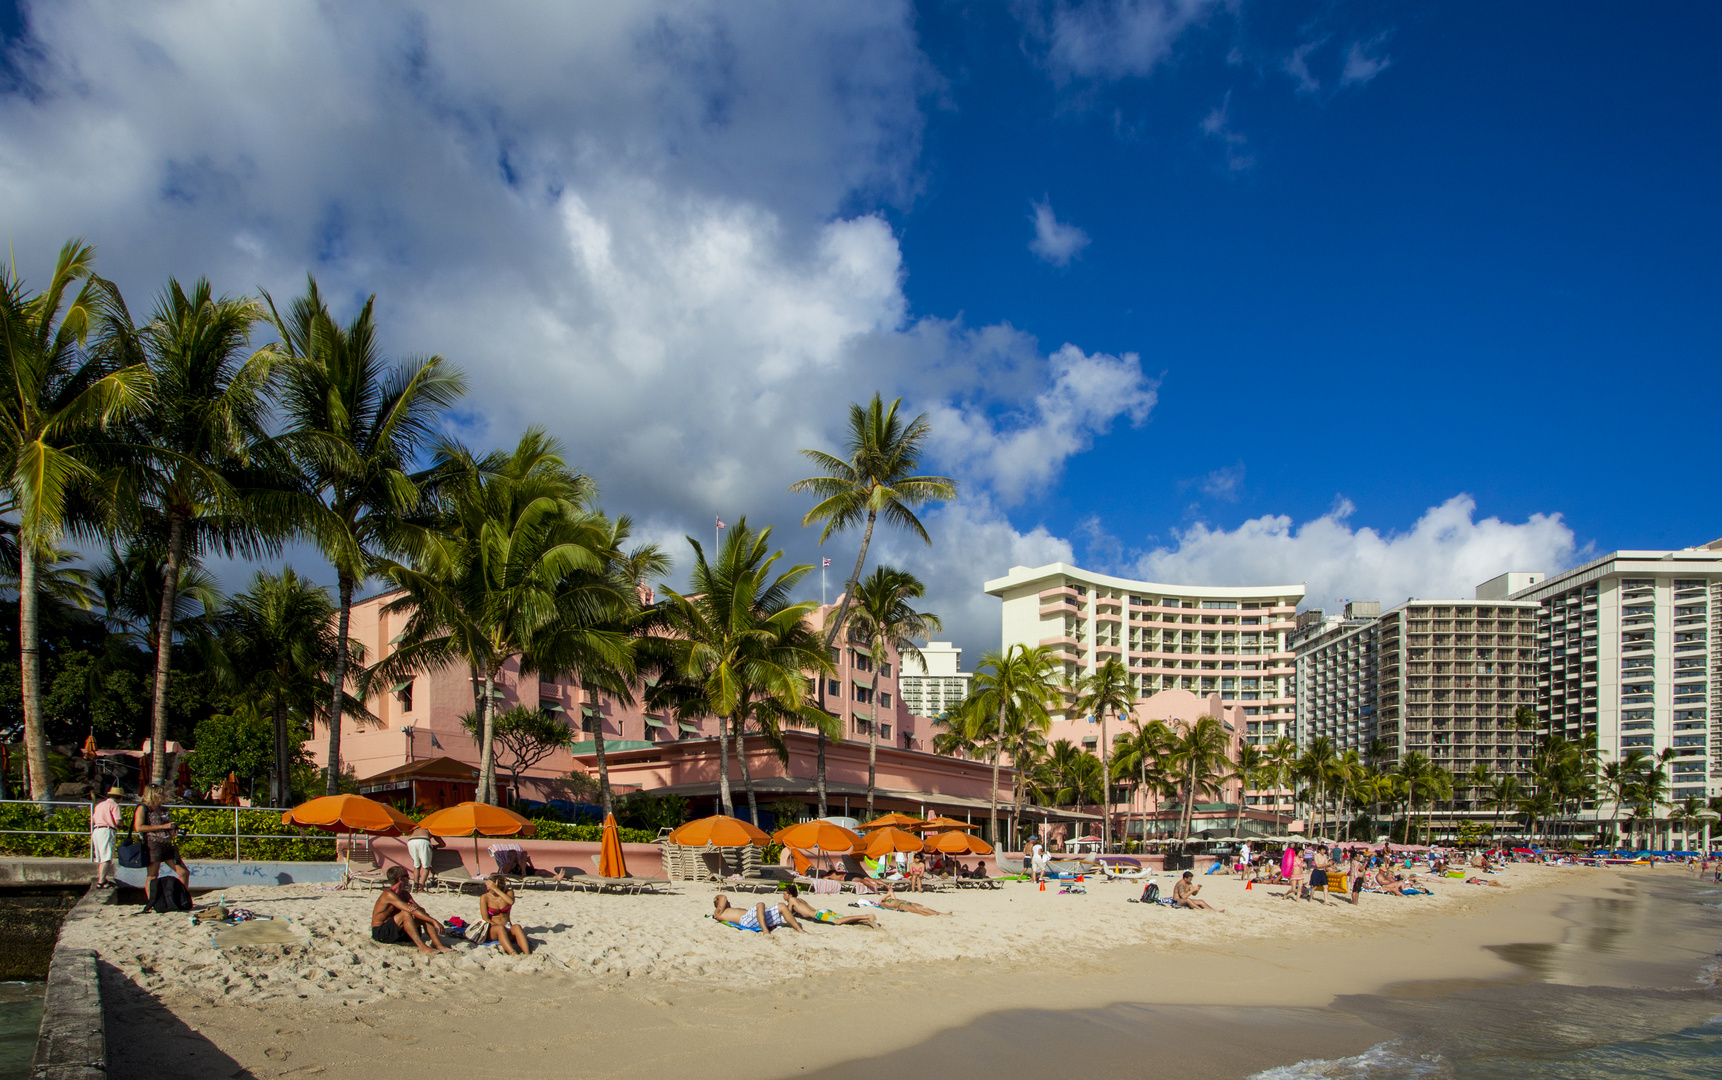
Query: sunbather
[(1482, 881), (397, 919), (917, 870), (1385, 880), (821, 915), (890, 902), (493, 908), (759, 917), (1184, 895)]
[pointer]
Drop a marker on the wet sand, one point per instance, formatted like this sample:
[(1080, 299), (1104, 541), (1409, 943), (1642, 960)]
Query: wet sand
[(1206, 995)]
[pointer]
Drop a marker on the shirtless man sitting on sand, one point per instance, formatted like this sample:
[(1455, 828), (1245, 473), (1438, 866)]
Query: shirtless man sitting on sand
[(1184, 895), (758, 917), (397, 919), (820, 915)]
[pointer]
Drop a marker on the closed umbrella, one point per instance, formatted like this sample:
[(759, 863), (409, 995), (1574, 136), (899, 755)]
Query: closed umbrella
[(477, 819), (610, 862)]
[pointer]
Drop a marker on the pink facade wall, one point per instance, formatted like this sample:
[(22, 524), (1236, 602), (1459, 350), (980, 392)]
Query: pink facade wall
[(425, 721)]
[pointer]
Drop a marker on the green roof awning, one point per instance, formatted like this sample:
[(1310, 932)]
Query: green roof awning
[(587, 710), (652, 721), (863, 680), (551, 706), (398, 687), (688, 727)]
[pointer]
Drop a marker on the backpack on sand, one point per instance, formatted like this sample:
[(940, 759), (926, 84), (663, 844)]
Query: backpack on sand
[(168, 894), (1151, 894)]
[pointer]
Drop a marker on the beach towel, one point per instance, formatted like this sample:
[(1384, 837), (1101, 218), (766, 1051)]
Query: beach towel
[(734, 926), (1214, 869), (257, 932)]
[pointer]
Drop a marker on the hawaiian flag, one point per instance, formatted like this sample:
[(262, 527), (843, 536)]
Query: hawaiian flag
[(825, 562), (720, 523)]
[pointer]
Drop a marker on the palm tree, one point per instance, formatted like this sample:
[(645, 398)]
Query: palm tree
[(61, 399), (355, 424), (278, 646), (739, 638), (887, 621), (511, 529), (1619, 777), (963, 732), (1018, 683), (1143, 750), (1316, 765), (1415, 772), (1108, 690), (204, 438), (1283, 754), (877, 478), (129, 584), (1197, 760), (1251, 769), (1068, 776), (1504, 794), (1479, 780)]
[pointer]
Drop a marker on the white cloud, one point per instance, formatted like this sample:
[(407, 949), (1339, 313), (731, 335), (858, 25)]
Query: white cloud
[(1223, 483), (1055, 241), (1297, 66), (1217, 125), (1446, 554), (1360, 66), (1110, 39), (631, 224)]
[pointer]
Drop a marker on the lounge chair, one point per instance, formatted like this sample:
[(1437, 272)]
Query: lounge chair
[(361, 866), (628, 883), (448, 871)]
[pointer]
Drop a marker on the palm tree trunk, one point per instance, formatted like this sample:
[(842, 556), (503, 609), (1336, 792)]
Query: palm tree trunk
[(486, 743), (343, 624), (819, 772), (164, 649), (746, 771), (280, 785), (993, 791), (604, 799), (872, 758), (41, 785), (1105, 790), (723, 766), (854, 582)]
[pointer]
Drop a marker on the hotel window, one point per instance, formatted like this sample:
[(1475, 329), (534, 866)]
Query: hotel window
[(861, 661), (884, 731), (863, 694), (404, 694), (832, 687), (884, 671), (884, 700)]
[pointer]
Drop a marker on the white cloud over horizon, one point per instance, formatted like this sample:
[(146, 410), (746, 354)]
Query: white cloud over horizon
[(1445, 554)]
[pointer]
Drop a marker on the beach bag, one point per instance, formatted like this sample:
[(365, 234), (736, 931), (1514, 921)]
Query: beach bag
[(133, 853), (168, 895), (1151, 894)]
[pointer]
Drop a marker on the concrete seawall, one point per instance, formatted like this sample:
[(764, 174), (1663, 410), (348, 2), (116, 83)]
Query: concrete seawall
[(72, 1043)]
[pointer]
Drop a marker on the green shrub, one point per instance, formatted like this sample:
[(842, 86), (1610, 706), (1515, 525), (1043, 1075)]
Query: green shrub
[(591, 834)]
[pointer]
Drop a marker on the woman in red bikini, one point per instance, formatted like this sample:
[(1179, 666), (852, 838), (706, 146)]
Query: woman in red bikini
[(493, 909)]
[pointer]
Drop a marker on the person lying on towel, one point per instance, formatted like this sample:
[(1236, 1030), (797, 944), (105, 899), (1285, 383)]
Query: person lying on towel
[(820, 915), (758, 918), (397, 919)]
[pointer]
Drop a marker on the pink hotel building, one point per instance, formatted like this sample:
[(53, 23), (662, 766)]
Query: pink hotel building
[(1220, 651), (418, 750)]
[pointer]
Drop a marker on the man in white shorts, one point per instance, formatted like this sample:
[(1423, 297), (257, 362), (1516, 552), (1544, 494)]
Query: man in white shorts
[(420, 842)]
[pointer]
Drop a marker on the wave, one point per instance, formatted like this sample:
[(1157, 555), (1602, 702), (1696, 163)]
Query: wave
[(1388, 1059)]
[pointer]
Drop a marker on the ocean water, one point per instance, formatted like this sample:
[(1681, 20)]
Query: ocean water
[(20, 1016), (1631, 994)]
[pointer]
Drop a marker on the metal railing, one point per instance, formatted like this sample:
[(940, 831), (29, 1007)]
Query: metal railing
[(236, 836)]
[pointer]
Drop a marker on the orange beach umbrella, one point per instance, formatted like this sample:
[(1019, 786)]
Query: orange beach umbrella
[(942, 823), (886, 840), (893, 820), (823, 836), (610, 862), (959, 843), (348, 813), (719, 830), (478, 819)]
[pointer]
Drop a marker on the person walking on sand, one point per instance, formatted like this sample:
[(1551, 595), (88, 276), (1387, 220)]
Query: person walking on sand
[(1289, 871), (1184, 895), (397, 919), (420, 842), (104, 826), (1318, 875)]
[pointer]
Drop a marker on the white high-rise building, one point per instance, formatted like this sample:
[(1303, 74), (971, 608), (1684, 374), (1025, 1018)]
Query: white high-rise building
[(934, 685), (1628, 655)]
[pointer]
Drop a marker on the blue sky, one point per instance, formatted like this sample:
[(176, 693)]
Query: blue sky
[(1382, 298)]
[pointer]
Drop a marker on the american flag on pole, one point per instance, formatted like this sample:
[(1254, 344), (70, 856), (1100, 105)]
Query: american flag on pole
[(824, 563), (720, 523)]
